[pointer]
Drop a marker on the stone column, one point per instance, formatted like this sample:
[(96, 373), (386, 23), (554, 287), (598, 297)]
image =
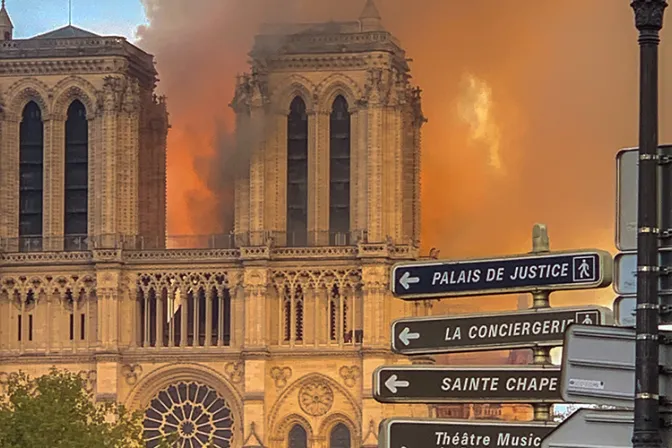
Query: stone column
[(392, 160), (375, 286), (255, 283), (318, 178), (242, 179), (9, 181), (108, 280), (238, 321), (276, 193), (257, 180), (375, 174), (54, 178), (106, 192), (127, 159), (358, 176)]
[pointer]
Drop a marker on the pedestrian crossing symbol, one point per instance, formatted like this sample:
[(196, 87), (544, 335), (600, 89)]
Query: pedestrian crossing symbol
[(584, 269), (587, 317)]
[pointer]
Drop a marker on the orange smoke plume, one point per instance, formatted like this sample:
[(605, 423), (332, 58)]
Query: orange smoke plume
[(528, 102)]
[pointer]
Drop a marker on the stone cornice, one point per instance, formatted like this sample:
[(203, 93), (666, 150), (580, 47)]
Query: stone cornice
[(102, 64), (332, 62), (228, 258), (199, 354), (323, 42)]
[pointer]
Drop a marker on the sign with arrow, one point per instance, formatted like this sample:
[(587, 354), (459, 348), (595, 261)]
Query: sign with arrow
[(502, 384), (520, 273), (424, 433), (543, 327)]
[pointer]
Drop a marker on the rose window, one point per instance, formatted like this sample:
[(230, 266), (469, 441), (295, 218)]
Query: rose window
[(196, 413), (316, 398)]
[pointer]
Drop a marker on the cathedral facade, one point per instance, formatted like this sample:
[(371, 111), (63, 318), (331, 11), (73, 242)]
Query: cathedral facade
[(267, 337)]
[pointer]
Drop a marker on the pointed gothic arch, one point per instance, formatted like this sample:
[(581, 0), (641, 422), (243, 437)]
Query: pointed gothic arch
[(76, 176), (31, 177), (334, 85), (340, 138), (74, 88), (26, 90), (297, 173)]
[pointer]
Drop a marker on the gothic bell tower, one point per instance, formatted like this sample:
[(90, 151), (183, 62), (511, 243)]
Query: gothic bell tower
[(328, 129)]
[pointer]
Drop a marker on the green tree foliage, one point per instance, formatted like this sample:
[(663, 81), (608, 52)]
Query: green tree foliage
[(55, 411)]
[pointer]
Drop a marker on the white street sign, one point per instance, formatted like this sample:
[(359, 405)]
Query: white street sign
[(626, 198), (625, 309), (598, 366), (595, 428), (625, 272), (627, 174)]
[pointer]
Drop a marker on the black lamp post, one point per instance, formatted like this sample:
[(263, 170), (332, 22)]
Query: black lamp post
[(649, 22)]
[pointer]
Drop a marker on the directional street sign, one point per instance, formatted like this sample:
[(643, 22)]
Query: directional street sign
[(625, 311), (520, 273), (626, 198), (627, 176), (423, 433), (598, 366), (477, 332), (625, 272), (448, 384), (596, 428)]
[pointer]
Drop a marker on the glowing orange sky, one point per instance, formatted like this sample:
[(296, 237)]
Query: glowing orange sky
[(528, 102)]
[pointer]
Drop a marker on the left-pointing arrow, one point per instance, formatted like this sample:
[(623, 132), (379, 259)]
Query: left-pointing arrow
[(406, 336), (406, 280), (393, 383)]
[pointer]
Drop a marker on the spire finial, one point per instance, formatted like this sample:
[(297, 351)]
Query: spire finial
[(3, 4), (370, 11), (69, 12)]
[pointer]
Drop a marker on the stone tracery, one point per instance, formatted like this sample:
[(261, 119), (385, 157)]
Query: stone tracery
[(338, 289), (26, 90), (194, 411), (74, 88), (184, 308)]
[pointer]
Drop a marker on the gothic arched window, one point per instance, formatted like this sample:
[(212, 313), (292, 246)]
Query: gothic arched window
[(76, 177), (339, 172), (340, 437), (31, 165), (297, 174), (298, 438)]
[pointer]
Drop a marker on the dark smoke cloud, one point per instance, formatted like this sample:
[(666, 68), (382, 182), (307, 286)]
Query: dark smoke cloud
[(563, 80)]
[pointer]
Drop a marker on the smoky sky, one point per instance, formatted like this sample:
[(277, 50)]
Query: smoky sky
[(561, 79)]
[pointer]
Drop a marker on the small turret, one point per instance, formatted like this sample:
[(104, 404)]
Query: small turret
[(6, 26), (370, 19)]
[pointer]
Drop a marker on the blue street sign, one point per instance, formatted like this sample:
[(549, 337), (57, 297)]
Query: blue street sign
[(521, 273)]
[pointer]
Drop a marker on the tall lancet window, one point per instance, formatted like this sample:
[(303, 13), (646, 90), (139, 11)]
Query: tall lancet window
[(76, 177), (31, 165), (339, 172), (297, 174)]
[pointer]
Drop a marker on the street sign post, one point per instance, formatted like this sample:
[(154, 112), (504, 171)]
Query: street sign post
[(598, 365), (486, 384), (514, 274), (595, 428), (477, 332), (423, 433)]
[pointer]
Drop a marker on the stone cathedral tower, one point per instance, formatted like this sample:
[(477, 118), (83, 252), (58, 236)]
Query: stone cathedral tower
[(265, 339)]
